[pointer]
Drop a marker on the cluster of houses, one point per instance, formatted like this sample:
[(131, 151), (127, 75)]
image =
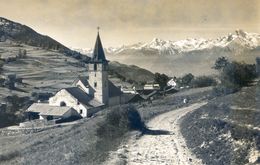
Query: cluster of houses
[(89, 94)]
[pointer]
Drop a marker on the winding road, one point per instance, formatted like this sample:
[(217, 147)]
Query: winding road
[(166, 146)]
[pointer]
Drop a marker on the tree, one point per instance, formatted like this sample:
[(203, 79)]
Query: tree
[(186, 79), (221, 63), (238, 73), (1, 65), (20, 54), (24, 53), (161, 79), (234, 75), (203, 81)]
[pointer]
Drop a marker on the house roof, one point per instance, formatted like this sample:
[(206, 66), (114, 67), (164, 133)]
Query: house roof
[(46, 109), (98, 54), (129, 97), (83, 97), (151, 94), (171, 90), (113, 90), (83, 79)]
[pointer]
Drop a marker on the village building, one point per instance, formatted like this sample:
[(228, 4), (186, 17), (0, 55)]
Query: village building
[(172, 83), (151, 86), (87, 95), (44, 111), (129, 90)]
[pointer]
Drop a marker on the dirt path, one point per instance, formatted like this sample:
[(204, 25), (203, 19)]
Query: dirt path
[(165, 144)]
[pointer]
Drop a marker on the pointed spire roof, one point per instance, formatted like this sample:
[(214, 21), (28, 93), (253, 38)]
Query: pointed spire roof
[(98, 54)]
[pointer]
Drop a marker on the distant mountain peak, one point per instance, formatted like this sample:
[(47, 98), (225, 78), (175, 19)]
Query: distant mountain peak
[(157, 40)]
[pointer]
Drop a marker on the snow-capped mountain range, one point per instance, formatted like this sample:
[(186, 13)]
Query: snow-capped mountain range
[(237, 40)]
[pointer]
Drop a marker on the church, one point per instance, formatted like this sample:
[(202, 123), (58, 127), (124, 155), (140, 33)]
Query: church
[(87, 95)]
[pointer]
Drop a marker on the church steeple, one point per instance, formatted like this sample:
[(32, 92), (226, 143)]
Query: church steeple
[(98, 75), (98, 54)]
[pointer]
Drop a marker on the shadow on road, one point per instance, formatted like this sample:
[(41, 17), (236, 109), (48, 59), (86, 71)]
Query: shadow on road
[(155, 132)]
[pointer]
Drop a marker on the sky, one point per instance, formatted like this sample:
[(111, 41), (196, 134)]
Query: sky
[(74, 22)]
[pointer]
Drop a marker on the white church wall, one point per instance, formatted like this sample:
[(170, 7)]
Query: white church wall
[(64, 97), (82, 110)]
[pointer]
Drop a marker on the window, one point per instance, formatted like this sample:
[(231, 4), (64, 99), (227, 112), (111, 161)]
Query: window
[(95, 84), (80, 111), (49, 118), (62, 104), (95, 67)]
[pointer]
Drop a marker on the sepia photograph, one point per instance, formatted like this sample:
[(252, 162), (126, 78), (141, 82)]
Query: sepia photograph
[(129, 82)]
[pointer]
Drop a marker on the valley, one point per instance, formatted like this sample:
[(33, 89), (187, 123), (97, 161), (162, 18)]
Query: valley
[(215, 121)]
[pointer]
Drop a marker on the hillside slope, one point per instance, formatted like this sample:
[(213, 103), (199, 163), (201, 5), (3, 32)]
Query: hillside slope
[(72, 144), (23, 34), (227, 129), (130, 73), (42, 70)]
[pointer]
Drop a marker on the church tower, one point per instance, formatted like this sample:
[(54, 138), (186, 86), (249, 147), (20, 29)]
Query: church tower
[(98, 73)]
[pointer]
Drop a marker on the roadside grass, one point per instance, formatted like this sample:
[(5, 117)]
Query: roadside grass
[(173, 101), (226, 129)]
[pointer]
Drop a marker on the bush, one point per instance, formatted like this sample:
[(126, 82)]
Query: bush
[(225, 89), (161, 79), (120, 120), (203, 81), (12, 114), (185, 80)]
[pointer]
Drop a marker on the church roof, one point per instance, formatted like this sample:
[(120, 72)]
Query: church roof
[(98, 54), (130, 98), (83, 97), (83, 79)]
